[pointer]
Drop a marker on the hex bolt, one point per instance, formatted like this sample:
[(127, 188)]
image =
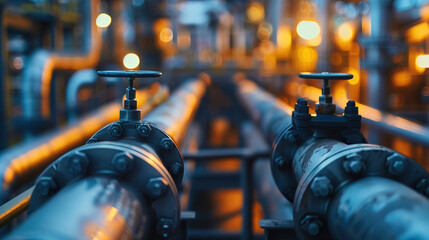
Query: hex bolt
[(78, 163), (46, 185), (280, 162), (115, 130), (165, 227), (176, 168), (301, 106), (396, 164), (144, 130), (166, 143), (354, 163), (291, 136), (423, 186), (321, 186), (156, 187), (311, 225), (123, 162)]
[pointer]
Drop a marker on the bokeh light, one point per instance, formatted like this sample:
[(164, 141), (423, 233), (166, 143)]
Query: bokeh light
[(103, 20), (308, 29), (131, 61)]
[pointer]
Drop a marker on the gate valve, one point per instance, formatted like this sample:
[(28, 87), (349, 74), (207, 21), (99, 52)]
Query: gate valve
[(325, 105), (130, 111)]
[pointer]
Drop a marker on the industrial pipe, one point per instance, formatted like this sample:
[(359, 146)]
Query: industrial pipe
[(322, 155), (24, 162), (272, 115), (36, 83), (92, 208), (176, 113)]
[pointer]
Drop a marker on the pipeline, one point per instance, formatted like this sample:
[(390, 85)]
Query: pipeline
[(122, 184), (24, 162), (321, 161), (272, 115), (175, 115)]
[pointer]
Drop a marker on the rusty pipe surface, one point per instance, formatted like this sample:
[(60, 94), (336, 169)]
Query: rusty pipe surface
[(91, 208), (36, 83), (25, 161), (272, 115), (177, 112)]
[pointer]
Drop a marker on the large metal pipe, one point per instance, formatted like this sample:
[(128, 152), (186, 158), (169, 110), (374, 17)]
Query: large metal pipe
[(92, 208), (272, 115), (36, 83), (25, 161), (177, 112), (378, 208)]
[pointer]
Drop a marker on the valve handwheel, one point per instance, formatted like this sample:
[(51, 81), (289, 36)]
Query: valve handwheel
[(130, 112), (325, 105)]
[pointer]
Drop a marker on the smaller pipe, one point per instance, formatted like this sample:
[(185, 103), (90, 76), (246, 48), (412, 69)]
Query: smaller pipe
[(15, 207), (377, 208), (91, 208), (79, 79)]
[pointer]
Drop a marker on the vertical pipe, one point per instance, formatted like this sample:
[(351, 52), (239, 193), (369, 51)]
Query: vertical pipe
[(378, 56), (324, 49), (247, 186), (3, 95)]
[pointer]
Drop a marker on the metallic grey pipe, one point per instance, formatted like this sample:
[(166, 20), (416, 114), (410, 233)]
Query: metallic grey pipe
[(177, 112), (91, 208), (378, 208), (78, 80), (272, 116)]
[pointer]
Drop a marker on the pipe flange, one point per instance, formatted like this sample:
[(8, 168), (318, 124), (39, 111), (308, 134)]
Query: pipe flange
[(281, 162), (148, 133), (136, 166), (353, 162)]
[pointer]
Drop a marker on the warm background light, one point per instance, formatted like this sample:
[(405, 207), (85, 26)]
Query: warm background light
[(103, 20), (166, 35), (346, 32), (131, 61), (308, 29), (422, 61), (255, 12)]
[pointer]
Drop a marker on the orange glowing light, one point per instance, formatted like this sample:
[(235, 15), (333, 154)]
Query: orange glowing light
[(402, 78), (356, 76), (346, 32), (284, 39), (255, 12), (166, 35), (422, 61), (417, 33)]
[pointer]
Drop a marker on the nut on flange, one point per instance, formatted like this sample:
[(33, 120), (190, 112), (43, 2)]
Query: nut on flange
[(321, 186)]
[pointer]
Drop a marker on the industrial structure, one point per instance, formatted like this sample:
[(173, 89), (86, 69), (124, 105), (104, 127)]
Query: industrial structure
[(214, 119)]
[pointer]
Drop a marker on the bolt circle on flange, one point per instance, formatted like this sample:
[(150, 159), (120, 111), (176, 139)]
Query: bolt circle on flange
[(45, 186), (166, 144), (115, 129), (144, 130), (281, 162), (78, 163), (322, 186), (396, 164), (165, 227), (354, 164), (123, 162), (311, 225), (423, 186), (176, 168), (156, 187)]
